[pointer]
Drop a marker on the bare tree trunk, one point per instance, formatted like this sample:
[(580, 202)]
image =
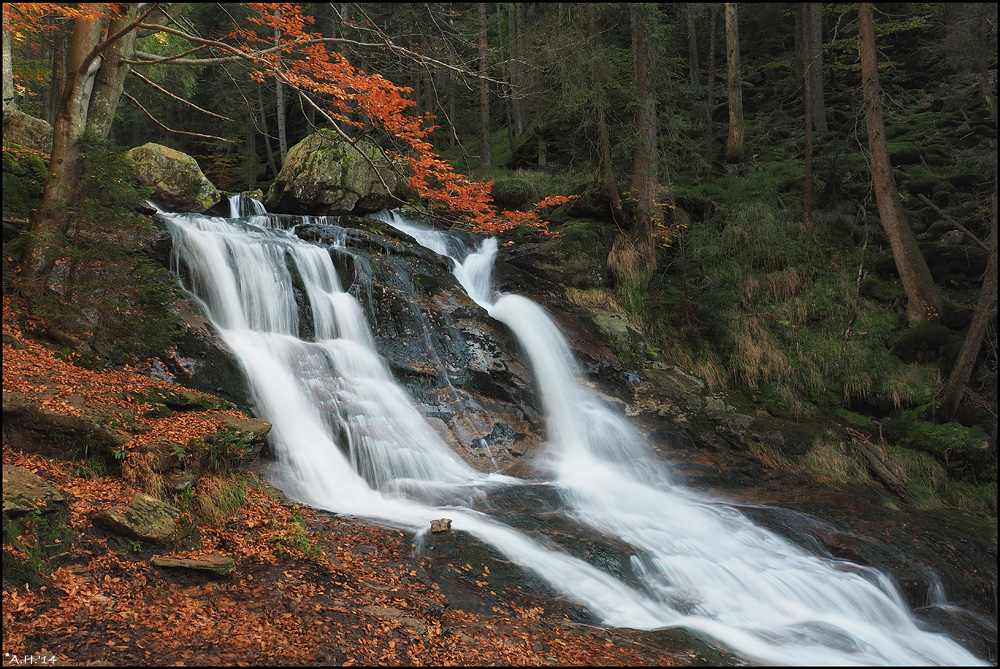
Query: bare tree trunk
[(710, 97), (53, 216), (813, 19), (607, 166), (522, 115), (692, 45), (798, 53), (923, 297), (645, 170), (505, 74), (808, 80), (734, 141), (985, 309), (279, 91), (485, 154), (275, 168)]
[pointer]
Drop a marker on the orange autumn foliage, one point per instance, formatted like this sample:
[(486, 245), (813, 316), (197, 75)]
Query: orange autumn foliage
[(341, 92)]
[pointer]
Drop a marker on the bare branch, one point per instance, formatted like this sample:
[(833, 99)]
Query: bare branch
[(153, 59), (178, 132), (179, 99), (958, 226)]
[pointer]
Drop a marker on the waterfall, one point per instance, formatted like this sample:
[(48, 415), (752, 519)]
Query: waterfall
[(348, 438), (710, 566)]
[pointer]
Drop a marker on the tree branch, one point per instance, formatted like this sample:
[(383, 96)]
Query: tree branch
[(179, 99), (178, 132), (951, 220)]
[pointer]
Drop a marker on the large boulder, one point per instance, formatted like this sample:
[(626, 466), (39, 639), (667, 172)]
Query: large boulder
[(178, 183), (324, 175), (28, 131)]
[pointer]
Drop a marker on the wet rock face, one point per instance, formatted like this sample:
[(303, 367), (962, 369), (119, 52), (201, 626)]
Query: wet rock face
[(463, 369)]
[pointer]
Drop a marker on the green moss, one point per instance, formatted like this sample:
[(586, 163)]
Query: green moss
[(40, 535), (852, 418), (965, 452), (24, 176)]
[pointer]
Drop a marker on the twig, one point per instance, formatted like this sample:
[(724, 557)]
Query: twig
[(951, 220)]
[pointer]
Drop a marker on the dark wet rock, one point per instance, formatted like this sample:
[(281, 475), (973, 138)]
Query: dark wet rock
[(202, 361), (145, 518)]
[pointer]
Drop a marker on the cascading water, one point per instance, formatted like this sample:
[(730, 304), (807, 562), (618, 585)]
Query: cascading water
[(349, 440), (708, 565)]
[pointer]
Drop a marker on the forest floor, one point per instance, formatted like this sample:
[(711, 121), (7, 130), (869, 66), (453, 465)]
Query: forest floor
[(306, 589)]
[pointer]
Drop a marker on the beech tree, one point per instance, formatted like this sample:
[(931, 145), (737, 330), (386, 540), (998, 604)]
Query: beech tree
[(924, 300), (324, 81)]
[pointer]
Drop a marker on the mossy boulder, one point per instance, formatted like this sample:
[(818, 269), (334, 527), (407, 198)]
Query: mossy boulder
[(324, 175), (178, 183), (28, 131), (144, 518), (35, 530)]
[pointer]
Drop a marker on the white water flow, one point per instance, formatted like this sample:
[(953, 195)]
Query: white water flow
[(705, 565)]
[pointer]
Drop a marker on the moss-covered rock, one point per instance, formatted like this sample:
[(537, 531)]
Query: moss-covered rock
[(966, 452), (28, 131), (144, 518), (324, 175), (178, 183), (35, 529)]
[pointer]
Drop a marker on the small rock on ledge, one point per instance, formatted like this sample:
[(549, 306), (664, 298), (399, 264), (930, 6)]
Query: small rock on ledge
[(441, 525)]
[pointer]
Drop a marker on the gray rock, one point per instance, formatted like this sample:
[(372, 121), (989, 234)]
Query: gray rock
[(24, 491), (28, 131), (213, 563), (144, 518)]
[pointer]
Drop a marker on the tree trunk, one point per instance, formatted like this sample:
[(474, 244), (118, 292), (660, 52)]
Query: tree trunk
[(807, 37), (798, 51), (813, 20), (692, 45), (8, 72), (280, 104), (111, 77), (645, 168), (985, 310), (54, 214), (734, 142), (710, 96), (522, 113), (607, 166), (923, 297), (515, 71), (485, 154), (275, 168), (508, 106)]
